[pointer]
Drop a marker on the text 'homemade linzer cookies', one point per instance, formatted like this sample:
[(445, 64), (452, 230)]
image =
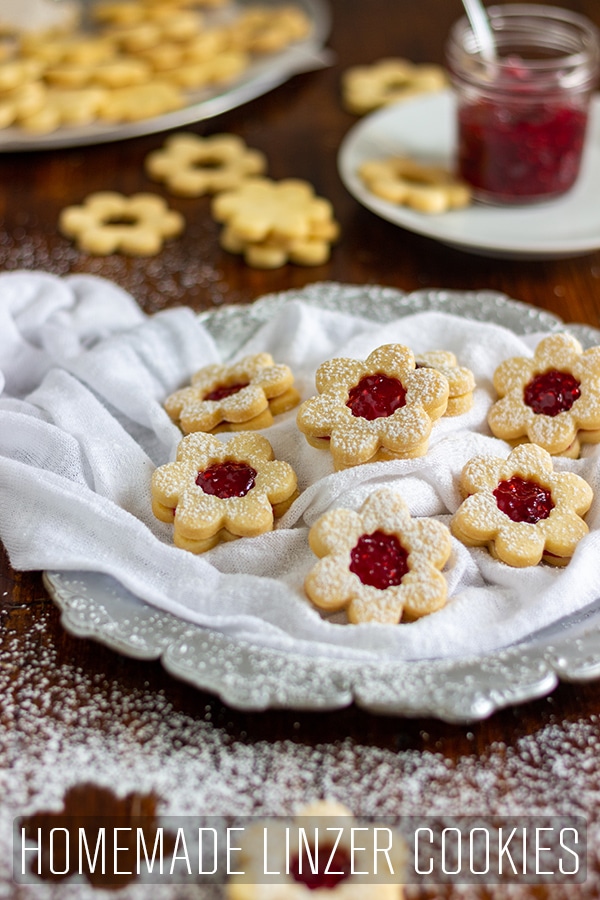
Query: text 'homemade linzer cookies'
[(219, 491), (382, 408)]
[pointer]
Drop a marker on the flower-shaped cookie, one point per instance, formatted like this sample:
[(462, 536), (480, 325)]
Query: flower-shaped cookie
[(261, 208), (378, 564), (62, 106), (191, 165), (21, 102), (427, 189), (521, 509), (244, 395), (273, 221), (268, 29), (319, 862), (365, 88), (218, 491), (382, 408), (155, 97), (109, 222), (551, 399), (461, 381)]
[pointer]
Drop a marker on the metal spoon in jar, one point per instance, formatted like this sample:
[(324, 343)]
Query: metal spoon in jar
[(482, 29)]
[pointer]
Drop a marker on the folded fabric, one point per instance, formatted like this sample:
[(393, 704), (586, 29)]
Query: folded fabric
[(45, 319), (77, 453)]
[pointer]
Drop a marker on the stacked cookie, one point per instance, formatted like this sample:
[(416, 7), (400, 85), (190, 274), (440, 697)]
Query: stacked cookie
[(268, 222), (377, 563)]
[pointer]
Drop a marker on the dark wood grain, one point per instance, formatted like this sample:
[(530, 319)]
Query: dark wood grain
[(299, 125)]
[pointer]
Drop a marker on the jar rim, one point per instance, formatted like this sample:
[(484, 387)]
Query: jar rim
[(551, 24)]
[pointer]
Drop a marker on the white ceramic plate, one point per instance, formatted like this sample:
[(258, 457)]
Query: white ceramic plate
[(254, 678), (424, 128), (262, 76)]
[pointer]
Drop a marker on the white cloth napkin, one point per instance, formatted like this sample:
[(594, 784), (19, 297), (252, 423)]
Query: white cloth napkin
[(77, 453)]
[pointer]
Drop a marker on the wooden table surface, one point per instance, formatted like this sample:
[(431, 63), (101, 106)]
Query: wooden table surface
[(86, 729)]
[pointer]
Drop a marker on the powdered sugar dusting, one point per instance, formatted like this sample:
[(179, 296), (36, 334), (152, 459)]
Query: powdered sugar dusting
[(52, 714)]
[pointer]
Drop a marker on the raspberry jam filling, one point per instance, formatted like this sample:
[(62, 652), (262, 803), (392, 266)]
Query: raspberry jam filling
[(551, 393), (379, 560), (225, 390), (330, 869), (227, 479), (521, 149), (376, 396), (523, 501)]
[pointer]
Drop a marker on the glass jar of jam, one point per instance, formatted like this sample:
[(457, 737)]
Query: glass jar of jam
[(522, 115)]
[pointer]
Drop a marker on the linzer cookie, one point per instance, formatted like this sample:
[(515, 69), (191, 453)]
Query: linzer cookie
[(551, 399), (386, 81), (108, 222), (461, 381), (521, 509), (242, 396), (382, 408), (407, 182), (219, 491), (191, 165), (268, 29), (273, 222), (378, 564)]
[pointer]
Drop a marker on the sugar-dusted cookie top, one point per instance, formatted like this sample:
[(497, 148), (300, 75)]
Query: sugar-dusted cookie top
[(521, 509), (221, 490), (461, 381), (378, 564), (236, 394), (552, 398), (381, 407)]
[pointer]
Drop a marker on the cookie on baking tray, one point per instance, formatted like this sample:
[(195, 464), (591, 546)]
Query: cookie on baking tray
[(272, 222), (382, 408), (551, 399), (267, 29), (461, 381), (521, 509), (369, 87), (378, 564), (407, 182), (219, 491), (146, 55), (238, 397)]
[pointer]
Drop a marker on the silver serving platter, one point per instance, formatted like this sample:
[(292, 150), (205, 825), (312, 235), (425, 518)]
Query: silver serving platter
[(255, 678), (261, 76)]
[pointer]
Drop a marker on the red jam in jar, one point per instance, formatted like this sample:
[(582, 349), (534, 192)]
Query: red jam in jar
[(328, 870), (227, 479), (551, 393), (522, 113), (523, 501), (379, 560), (376, 396), (516, 152)]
